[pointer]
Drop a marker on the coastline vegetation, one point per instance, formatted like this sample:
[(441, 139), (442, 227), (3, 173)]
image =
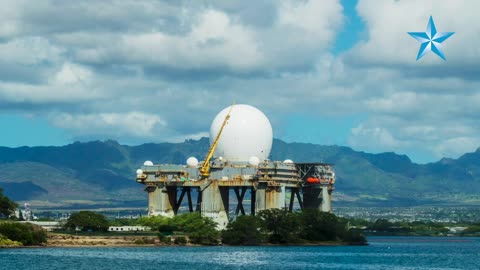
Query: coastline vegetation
[(14, 234), (25, 233), (278, 226), (274, 226), (384, 227), (7, 206), (5, 242), (87, 221)]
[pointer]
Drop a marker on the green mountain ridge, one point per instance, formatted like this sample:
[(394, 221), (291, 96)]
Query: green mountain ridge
[(102, 173)]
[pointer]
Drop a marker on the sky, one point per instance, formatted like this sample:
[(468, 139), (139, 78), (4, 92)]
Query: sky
[(325, 72)]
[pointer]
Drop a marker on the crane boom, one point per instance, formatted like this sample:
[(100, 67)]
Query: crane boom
[(205, 169)]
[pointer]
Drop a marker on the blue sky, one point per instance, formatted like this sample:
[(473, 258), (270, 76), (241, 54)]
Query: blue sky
[(326, 72)]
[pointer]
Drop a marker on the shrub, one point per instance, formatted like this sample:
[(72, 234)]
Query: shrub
[(164, 239), (201, 230), (152, 221), (245, 230), (4, 241), (168, 240), (26, 233), (316, 225), (354, 237), (280, 226), (139, 242), (180, 240)]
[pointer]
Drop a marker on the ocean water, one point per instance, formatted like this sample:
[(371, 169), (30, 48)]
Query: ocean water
[(382, 253)]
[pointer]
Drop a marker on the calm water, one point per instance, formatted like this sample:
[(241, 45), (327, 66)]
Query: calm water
[(382, 253)]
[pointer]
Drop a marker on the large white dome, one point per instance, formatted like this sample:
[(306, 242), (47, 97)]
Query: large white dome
[(248, 133)]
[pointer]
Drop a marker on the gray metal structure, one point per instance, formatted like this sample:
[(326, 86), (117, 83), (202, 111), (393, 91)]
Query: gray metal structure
[(311, 184)]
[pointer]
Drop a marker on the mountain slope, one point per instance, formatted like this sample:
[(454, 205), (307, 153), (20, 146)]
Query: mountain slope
[(102, 173)]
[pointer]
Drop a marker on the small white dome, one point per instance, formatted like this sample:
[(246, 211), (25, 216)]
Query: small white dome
[(139, 172), (148, 163), (220, 158), (254, 161), (192, 162), (288, 161)]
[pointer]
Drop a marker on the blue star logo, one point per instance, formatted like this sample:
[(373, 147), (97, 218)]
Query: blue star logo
[(431, 40)]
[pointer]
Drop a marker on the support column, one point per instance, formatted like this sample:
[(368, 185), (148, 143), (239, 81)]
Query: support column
[(260, 197), (326, 199), (275, 197), (312, 197), (159, 202), (215, 204)]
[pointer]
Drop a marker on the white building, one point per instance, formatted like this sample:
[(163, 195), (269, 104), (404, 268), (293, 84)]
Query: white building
[(46, 225), (128, 228)]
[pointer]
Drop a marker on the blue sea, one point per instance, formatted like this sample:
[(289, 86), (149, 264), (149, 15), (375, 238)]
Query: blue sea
[(382, 253)]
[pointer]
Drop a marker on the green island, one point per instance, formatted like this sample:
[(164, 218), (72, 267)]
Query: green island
[(384, 227), (268, 227)]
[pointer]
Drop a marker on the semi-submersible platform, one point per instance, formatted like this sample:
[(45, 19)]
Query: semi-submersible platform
[(270, 185)]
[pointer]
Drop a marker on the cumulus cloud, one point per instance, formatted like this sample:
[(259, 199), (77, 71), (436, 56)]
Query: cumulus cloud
[(385, 44), (131, 123), (215, 41), (430, 105), (161, 70)]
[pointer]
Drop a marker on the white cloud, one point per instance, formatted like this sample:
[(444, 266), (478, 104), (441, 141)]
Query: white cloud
[(319, 18), (131, 123), (71, 74), (214, 42), (182, 138), (428, 105), (69, 83), (378, 138), (29, 51), (167, 67), (454, 146), (388, 22)]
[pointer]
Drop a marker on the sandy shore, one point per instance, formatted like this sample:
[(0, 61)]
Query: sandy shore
[(66, 240)]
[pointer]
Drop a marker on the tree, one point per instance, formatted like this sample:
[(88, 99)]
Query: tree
[(7, 207), (280, 225), (382, 225), (200, 230), (87, 221), (26, 233), (245, 230), (316, 225)]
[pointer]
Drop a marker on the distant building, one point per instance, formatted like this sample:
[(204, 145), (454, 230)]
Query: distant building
[(46, 225), (128, 228), (456, 229)]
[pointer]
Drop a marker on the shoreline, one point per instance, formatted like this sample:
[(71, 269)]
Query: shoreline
[(187, 245), (74, 241), (63, 240)]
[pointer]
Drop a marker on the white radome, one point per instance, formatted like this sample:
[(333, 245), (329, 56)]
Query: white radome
[(248, 133), (192, 162), (139, 172), (254, 161), (148, 163), (288, 161)]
